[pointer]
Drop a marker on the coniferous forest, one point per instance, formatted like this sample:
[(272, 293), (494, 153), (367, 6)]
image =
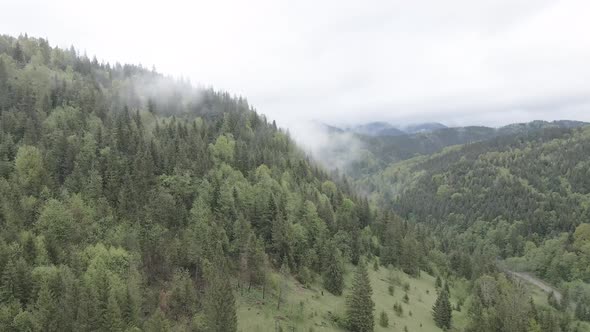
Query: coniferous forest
[(132, 201)]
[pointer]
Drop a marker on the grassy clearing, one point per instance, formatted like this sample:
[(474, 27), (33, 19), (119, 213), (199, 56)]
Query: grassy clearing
[(306, 309)]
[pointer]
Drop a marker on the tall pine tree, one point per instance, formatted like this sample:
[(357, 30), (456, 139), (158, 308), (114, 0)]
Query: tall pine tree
[(220, 304), (46, 308), (442, 311), (114, 321), (334, 275), (359, 304)]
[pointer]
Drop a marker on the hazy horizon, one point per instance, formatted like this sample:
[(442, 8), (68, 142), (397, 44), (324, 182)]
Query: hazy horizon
[(459, 63)]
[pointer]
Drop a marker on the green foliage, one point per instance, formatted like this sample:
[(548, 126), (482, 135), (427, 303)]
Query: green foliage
[(359, 304), (29, 169), (157, 322), (438, 282), (223, 149), (383, 319), (442, 311), (220, 304), (406, 298), (183, 296), (25, 321), (113, 319), (398, 309), (518, 193), (582, 237), (391, 290), (120, 197), (499, 303), (582, 311), (334, 275), (120, 187), (46, 309)]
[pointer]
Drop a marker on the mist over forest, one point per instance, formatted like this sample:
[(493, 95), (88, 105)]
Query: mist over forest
[(295, 166)]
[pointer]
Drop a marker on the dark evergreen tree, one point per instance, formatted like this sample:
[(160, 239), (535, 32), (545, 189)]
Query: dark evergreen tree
[(10, 286), (582, 311), (359, 304), (113, 317), (157, 322), (334, 267), (220, 304), (183, 296), (257, 263), (131, 308), (438, 282), (383, 319), (46, 309), (442, 311)]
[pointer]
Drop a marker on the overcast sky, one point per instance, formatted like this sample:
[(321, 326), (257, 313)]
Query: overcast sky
[(456, 61)]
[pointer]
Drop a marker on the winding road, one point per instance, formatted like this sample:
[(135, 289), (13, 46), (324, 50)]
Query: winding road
[(537, 282)]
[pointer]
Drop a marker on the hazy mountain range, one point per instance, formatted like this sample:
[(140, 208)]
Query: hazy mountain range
[(381, 128)]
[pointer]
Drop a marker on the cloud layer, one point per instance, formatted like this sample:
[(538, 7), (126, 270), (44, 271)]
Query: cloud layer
[(486, 62)]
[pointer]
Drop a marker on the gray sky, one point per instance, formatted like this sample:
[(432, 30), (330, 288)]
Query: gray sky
[(456, 61)]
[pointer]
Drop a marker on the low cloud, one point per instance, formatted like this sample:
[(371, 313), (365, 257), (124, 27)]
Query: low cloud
[(458, 62), (333, 149)]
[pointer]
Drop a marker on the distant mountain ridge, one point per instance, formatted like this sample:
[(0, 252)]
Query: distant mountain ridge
[(372, 148), (423, 127), (381, 128), (386, 129), (376, 129)]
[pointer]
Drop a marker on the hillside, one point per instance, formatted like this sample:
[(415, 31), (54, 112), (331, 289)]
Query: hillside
[(364, 154), (520, 197), (132, 201), (539, 179)]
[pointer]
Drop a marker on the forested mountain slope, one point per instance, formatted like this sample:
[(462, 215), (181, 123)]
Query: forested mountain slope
[(525, 197), (540, 179), (131, 200), (366, 154)]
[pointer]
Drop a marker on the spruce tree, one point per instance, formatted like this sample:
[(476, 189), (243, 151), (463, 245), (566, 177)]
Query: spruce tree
[(360, 306), (183, 295), (383, 319), (157, 323), (130, 308), (25, 321), (256, 263), (334, 276), (582, 313), (438, 282), (220, 304), (442, 311), (114, 321), (10, 288), (85, 311), (46, 309), (534, 326)]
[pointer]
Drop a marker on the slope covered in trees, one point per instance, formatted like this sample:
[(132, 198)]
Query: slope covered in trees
[(521, 197), (361, 154), (132, 200), (537, 184)]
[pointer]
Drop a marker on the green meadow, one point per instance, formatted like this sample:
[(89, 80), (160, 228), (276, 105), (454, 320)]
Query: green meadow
[(308, 309)]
